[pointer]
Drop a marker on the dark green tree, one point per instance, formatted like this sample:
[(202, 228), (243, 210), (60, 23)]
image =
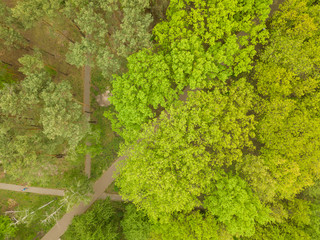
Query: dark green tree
[(97, 223)]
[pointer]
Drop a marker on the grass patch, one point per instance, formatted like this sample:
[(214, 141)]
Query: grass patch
[(33, 229), (65, 173)]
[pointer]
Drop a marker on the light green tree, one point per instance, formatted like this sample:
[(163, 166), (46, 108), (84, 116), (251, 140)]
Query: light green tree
[(218, 23), (191, 226), (233, 203), (154, 80), (287, 79), (183, 149)]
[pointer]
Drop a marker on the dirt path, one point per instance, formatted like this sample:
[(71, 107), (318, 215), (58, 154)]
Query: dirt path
[(99, 187), (86, 109), (38, 190)]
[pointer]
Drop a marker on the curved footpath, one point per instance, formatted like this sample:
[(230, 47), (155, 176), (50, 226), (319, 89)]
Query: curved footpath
[(99, 187)]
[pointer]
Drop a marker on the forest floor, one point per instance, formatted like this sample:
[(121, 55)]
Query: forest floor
[(24, 203)]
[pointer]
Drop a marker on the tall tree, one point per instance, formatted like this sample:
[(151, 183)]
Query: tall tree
[(231, 27), (287, 78), (233, 203), (31, 124), (135, 224), (10, 36), (185, 149), (154, 80)]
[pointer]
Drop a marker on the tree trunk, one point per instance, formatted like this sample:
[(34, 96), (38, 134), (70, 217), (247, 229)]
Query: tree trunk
[(78, 101), (58, 31), (6, 63), (56, 70), (77, 27)]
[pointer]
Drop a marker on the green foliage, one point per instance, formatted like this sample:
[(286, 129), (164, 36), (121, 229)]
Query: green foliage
[(234, 204), (183, 149), (78, 53), (61, 116), (9, 33), (312, 194), (79, 190), (280, 232), (146, 83), (193, 66), (154, 80), (290, 64), (30, 11), (97, 223), (215, 22), (287, 78), (290, 220), (291, 145), (5, 76), (7, 229), (135, 224), (212, 20), (133, 33), (193, 226), (37, 118), (103, 44), (95, 148), (314, 227)]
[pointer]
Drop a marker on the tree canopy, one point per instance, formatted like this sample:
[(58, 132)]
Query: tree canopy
[(185, 147), (244, 145), (37, 116)]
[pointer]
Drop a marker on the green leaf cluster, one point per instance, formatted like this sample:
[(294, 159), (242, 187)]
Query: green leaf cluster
[(231, 200), (39, 120), (97, 223), (183, 149), (7, 229), (287, 79)]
